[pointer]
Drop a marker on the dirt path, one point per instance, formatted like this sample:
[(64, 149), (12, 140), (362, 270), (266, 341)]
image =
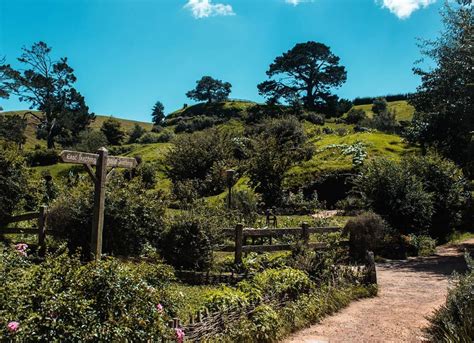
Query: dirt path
[(408, 292)]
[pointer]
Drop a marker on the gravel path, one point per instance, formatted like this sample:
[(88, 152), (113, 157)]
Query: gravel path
[(409, 291)]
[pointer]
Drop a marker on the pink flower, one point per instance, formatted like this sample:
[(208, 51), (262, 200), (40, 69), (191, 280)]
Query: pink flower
[(179, 335), (21, 248), (159, 308), (13, 326)]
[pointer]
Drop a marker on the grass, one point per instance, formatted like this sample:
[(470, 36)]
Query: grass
[(458, 237), (213, 109), (30, 132), (326, 160), (403, 110)]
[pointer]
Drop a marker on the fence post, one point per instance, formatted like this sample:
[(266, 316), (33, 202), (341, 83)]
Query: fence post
[(305, 232), (239, 233), (370, 263), (42, 230)]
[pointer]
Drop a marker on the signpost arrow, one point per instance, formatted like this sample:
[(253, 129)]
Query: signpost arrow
[(101, 160)]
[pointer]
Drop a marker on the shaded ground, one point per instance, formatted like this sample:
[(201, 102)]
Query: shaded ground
[(409, 291)]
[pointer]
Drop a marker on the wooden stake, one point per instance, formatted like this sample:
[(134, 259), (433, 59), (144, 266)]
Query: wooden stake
[(239, 233)]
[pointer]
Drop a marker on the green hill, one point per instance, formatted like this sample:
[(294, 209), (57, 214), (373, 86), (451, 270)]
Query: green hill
[(329, 141), (30, 132), (403, 110)]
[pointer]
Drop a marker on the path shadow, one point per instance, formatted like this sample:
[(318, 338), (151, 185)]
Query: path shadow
[(444, 263)]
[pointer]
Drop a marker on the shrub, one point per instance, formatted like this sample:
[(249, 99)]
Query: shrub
[(91, 141), (42, 157), (314, 118), (398, 195), (279, 144), (298, 203), (136, 133), (355, 116), (224, 298), (133, 216), (384, 121), (449, 189), (454, 321), (63, 299), (12, 182), (112, 129), (201, 156), (267, 323), (421, 245), (283, 282), (245, 204), (366, 233), (152, 137), (197, 123), (191, 236)]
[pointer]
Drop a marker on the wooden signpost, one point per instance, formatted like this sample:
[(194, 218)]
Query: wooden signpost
[(102, 161)]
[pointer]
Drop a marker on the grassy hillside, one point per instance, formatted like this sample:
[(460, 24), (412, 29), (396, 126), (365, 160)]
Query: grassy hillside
[(403, 110), (31, 140), (329, 142)]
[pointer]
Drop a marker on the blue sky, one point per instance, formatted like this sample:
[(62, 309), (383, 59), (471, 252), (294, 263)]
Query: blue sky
[(129, 53)]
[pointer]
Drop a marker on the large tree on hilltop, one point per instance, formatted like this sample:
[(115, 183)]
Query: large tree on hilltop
[(210, 90), (444, 100), (307, 72), (47, 85)]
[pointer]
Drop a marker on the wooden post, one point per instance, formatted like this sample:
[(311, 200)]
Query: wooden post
[(99, 203), (371, 270), (42, 231), (239, 233), (305, 232)]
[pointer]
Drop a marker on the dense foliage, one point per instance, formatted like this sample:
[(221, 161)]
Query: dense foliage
[(417, 194), (133, 216), (112, 129), (12, 182), (48, 86), (306, 73), (454, 321), (63, 299), (444, 100), (210, 90)]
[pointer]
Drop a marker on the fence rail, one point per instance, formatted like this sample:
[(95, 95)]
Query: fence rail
[(239, 233), (40, 230)]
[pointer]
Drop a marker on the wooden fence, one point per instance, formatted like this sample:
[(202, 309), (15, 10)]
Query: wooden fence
[(39, 230), (240, 235)]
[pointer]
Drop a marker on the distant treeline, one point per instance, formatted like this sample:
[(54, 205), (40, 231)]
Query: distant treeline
[(390, 97)]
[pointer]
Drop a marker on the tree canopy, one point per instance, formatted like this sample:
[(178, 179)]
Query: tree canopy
[(210, 90), (305, 73), (47, 85), (112, 129), (158, 113), (444, 100)]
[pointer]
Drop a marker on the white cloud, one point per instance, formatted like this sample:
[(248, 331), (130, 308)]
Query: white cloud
[(205, 8), (404, 8), (296, 2)]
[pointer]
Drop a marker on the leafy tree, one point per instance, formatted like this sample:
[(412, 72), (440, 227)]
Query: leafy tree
[(355, 116), (112, 129), (5, 82), (278, 145), (199, 158), (136, 133), (444, 100), (385, 121), (210, 90), (397, 195), (379, 105), (12, 129), (12, 182), (47, 85), (91, 140), (308, 71), (158, 114)]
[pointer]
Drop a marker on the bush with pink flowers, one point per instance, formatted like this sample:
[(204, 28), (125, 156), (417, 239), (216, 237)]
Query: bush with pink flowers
[(62, 299)]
